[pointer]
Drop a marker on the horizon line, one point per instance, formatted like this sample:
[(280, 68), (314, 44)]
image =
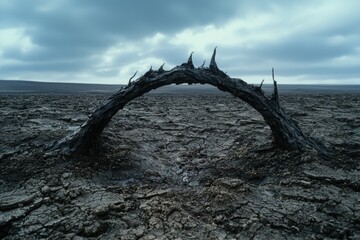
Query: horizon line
[(119, 84)]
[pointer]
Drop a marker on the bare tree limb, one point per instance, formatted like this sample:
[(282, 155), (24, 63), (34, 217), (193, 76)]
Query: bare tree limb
[(202, 65), (275, 96), (161, 68), (286, 132), (261, 83), (132, 77)]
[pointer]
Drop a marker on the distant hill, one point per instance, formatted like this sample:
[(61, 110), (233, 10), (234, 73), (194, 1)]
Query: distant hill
[(13, 86), (32, 87)]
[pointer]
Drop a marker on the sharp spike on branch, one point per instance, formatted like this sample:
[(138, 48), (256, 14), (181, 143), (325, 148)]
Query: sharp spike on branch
[(161, 68), (273, 74), (258, 89), (132, 77), (190, 61), (261, 83), (275, 95), (203, 64), (213, 66), (148, 73)]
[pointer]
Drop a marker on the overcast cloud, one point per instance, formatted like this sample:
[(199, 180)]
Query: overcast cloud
[(107, 41)]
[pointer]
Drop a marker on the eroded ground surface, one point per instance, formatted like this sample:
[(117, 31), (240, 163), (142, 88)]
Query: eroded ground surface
[(178, 167)]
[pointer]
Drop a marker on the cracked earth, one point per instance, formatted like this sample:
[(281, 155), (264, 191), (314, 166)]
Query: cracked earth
[(178, 167)]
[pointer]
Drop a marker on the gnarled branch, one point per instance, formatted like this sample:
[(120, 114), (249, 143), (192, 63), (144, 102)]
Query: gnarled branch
[(286, 132)]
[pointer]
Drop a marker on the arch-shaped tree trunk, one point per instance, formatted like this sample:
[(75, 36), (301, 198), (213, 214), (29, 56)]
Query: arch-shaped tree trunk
[(286, 132)]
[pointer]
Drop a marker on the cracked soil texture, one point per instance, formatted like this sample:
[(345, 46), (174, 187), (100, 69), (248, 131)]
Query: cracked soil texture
[(179, 167)]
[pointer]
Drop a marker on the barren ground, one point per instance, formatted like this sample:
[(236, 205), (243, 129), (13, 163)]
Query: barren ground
[(178, 167)]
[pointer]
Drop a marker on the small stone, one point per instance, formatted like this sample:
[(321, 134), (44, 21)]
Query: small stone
[(177, 226), (74, 193), (155, 222), (139, 232), (149, 237), (194, 184), (94, 229), (60, 196), (185, 178), (219, 219), (101, 210), (305, 183), (45, 189), (294, 228), (220, 235), (66, 175), (190, 225), (230, 182)]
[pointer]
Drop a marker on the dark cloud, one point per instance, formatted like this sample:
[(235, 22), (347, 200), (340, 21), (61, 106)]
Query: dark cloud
[(302, 50), (76, 21), (79, 29), (137, 17), (74, 36), (53, 66), (323, 72)]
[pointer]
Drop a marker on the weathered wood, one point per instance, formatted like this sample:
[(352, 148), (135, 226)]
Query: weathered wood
[(286, 132)]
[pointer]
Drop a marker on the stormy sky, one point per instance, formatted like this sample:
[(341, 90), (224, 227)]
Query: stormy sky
[(97, 41)]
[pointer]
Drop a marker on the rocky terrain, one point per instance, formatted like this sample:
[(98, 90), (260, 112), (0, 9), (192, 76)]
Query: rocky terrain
[(178, 167)]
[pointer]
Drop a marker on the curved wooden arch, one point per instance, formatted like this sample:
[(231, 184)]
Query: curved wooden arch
[(286, 132)]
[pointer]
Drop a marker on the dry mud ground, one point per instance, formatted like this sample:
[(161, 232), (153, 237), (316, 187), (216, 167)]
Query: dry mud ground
[(178, 167)]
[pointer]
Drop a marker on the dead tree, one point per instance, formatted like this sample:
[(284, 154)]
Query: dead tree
[(286, 132)]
